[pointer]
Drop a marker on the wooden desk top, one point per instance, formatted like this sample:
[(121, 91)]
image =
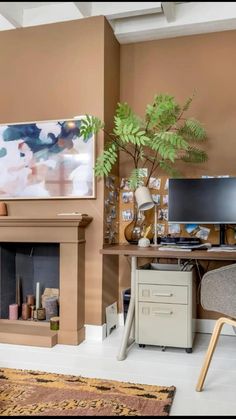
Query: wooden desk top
[(134, 250)]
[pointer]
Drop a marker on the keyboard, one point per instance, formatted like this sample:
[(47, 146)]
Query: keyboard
[(222, 249), (187, 247)]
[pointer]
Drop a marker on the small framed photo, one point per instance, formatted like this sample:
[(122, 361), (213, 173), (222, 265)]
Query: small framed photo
[(127, 215), (174, 228), (127, 197), (156, 199), (161, 229), (124, 184), (154, 183), (165, 199)]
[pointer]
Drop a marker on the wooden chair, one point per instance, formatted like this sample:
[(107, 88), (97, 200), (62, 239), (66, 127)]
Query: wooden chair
[(218, 293)]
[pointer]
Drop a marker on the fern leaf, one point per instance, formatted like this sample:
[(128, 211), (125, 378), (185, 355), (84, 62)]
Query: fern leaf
[(106, 161), (136, 178), (195, 155)]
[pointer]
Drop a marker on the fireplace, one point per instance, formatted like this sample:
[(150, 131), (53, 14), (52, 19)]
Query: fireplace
[(28, 264), (50, 251)]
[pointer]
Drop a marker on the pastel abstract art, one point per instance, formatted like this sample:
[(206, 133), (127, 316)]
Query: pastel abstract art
[(46, 159)]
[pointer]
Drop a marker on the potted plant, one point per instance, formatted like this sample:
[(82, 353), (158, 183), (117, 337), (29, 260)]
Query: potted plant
[(163, 137)]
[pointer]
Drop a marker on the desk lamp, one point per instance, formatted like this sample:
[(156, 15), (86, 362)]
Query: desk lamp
[(145, 202)]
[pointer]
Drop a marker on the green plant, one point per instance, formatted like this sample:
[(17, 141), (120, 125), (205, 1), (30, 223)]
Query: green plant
[(163, 137)]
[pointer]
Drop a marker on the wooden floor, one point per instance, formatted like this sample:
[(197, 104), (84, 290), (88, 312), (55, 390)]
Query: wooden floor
[(149, 365)]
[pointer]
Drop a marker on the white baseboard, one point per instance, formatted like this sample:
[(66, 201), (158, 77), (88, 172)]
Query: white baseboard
[(207, 326), (95, 333), (98, 333)]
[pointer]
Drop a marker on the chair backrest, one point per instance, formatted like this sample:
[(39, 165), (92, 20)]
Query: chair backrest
[(218, 290)]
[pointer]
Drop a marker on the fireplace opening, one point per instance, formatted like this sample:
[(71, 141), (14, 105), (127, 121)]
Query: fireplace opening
[(29, 279)]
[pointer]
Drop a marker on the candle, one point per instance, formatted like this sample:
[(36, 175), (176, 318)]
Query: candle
[(13, 312), (38, 305), (25, 311), (54, 323), (30, 300), (41, 314)]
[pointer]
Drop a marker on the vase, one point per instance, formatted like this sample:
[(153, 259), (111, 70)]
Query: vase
[(134, 231)]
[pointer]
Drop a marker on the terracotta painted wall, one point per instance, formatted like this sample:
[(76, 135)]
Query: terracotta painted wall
[(52, 72), (110, 286), (177, 66)]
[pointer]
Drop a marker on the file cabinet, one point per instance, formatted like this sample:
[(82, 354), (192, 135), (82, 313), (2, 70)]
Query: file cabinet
[(165, 305)]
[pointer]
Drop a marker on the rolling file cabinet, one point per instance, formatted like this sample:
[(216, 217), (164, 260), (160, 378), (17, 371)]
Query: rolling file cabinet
[(165, 305)]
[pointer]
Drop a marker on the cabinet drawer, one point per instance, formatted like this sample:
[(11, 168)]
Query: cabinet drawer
[(162, 324), (149, 276), (163, 293)]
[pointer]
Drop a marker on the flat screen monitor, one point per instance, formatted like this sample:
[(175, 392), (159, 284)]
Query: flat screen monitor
[(205, 201)]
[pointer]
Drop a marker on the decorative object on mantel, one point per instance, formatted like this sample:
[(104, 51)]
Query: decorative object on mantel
[(50, 301), (38, 294), (55, 323), (51, 307), (47, 159), (13, 312), (41, 313), (30, 299), (25, 313), (3, 209)]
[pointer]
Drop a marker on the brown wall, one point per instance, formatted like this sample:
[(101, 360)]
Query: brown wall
[(52, 72), (110, 285), (177, 66)]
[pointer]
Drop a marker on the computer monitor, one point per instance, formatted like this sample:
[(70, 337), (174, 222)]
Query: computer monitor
[(203, 201)]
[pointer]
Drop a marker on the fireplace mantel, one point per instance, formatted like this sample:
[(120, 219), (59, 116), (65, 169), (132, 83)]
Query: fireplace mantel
[(69, 232)]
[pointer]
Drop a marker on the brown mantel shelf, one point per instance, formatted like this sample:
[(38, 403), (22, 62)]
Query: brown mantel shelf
[(80, 220), (58, 229)]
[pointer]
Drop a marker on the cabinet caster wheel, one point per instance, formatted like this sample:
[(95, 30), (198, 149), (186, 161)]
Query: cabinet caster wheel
[(189, 350), (142, 346)]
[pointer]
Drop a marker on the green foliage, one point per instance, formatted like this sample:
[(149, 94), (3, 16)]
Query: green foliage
[(163, 112), (162, 138), (195, 155), (106, 161), (137, 178), (90, 125)]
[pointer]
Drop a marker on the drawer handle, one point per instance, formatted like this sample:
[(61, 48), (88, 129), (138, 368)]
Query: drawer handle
[(162, 294), (162, 312)]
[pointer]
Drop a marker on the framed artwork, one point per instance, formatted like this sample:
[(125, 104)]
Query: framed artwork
[(46, 159)]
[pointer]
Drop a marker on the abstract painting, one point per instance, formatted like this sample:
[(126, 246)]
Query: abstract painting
[(46, 159)]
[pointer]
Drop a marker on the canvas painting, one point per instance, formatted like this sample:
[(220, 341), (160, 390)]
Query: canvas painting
[(47, 159)]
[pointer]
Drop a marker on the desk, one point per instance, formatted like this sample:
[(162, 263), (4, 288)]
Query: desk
[(134, 252)]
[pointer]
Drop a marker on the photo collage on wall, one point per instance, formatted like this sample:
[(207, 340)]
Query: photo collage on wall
[(119, 212), (111, 222), (159, 192)]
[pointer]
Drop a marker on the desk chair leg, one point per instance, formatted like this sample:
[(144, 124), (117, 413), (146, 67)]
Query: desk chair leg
[(129, 324), (210, 351)]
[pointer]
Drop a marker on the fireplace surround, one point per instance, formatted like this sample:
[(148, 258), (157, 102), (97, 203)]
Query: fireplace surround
[(68, 233)]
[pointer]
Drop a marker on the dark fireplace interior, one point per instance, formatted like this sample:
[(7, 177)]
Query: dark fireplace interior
[(32, 263)]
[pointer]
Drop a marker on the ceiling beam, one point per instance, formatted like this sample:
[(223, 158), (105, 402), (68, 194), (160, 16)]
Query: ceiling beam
[(191, 18), (169, 10), (13, 12), (84, 7), (118, 10)]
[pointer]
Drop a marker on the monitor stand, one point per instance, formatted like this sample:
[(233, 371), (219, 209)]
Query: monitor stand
[(222, 241), (222, 234)]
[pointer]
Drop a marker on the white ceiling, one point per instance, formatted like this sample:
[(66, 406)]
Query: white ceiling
[(131, 21)]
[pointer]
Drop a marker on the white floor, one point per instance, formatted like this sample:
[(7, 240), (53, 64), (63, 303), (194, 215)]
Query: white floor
[(149, 366)]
